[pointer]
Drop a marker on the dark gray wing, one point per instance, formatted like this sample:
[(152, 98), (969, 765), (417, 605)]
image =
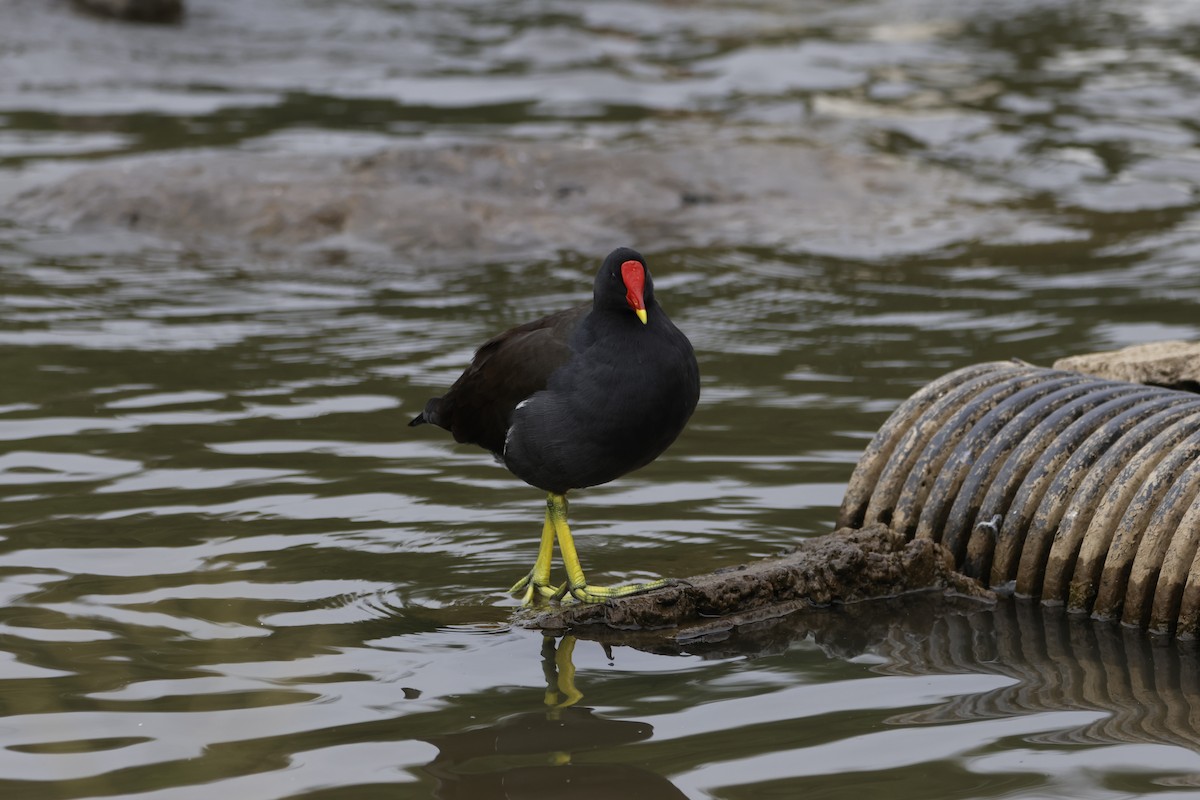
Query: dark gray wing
[(507, 369)]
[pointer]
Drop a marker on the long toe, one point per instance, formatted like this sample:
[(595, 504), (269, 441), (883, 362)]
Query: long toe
[(585, 593), (532, 589)]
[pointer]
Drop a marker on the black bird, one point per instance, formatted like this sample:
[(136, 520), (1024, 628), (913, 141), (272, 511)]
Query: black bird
[(577, 399)]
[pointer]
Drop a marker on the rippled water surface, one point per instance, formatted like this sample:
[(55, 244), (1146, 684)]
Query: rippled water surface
[(228, 568)]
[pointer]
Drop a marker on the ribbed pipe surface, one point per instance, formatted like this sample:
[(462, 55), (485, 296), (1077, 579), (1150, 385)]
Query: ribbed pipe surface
[(1074, 489)]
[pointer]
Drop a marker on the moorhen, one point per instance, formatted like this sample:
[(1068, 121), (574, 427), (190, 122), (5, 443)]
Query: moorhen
[(577, 399)]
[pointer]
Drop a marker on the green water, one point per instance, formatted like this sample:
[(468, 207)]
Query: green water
[(229, 569)]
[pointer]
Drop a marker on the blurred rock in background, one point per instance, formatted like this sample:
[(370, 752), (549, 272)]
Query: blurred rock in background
[(135, 10)]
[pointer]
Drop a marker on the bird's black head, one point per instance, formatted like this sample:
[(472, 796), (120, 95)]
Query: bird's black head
[(623, 284)]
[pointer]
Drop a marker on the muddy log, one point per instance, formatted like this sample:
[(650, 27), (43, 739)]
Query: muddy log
[(847, 566)]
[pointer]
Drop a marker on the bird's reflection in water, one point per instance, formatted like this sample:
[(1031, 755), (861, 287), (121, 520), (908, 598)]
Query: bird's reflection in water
[(558, 667), (536, 749)]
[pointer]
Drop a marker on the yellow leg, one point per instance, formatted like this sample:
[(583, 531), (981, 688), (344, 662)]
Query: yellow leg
[(577, 585), (537, 582)]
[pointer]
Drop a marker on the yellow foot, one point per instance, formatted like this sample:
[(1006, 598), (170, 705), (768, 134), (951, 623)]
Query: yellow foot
[(533, 588), (598, 594)]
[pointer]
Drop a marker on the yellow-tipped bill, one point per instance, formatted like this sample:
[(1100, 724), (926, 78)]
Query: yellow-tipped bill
[(634, 275)]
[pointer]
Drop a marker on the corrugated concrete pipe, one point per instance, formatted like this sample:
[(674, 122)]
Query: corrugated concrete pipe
[(1062, 486)]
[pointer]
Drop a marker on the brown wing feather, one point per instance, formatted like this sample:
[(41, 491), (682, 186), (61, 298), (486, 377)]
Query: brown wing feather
[(506, 369)]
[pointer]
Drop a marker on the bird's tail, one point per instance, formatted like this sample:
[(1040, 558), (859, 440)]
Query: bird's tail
[(430, 414)]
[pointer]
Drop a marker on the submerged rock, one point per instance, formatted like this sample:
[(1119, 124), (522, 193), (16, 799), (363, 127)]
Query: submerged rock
[(491, 201)]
